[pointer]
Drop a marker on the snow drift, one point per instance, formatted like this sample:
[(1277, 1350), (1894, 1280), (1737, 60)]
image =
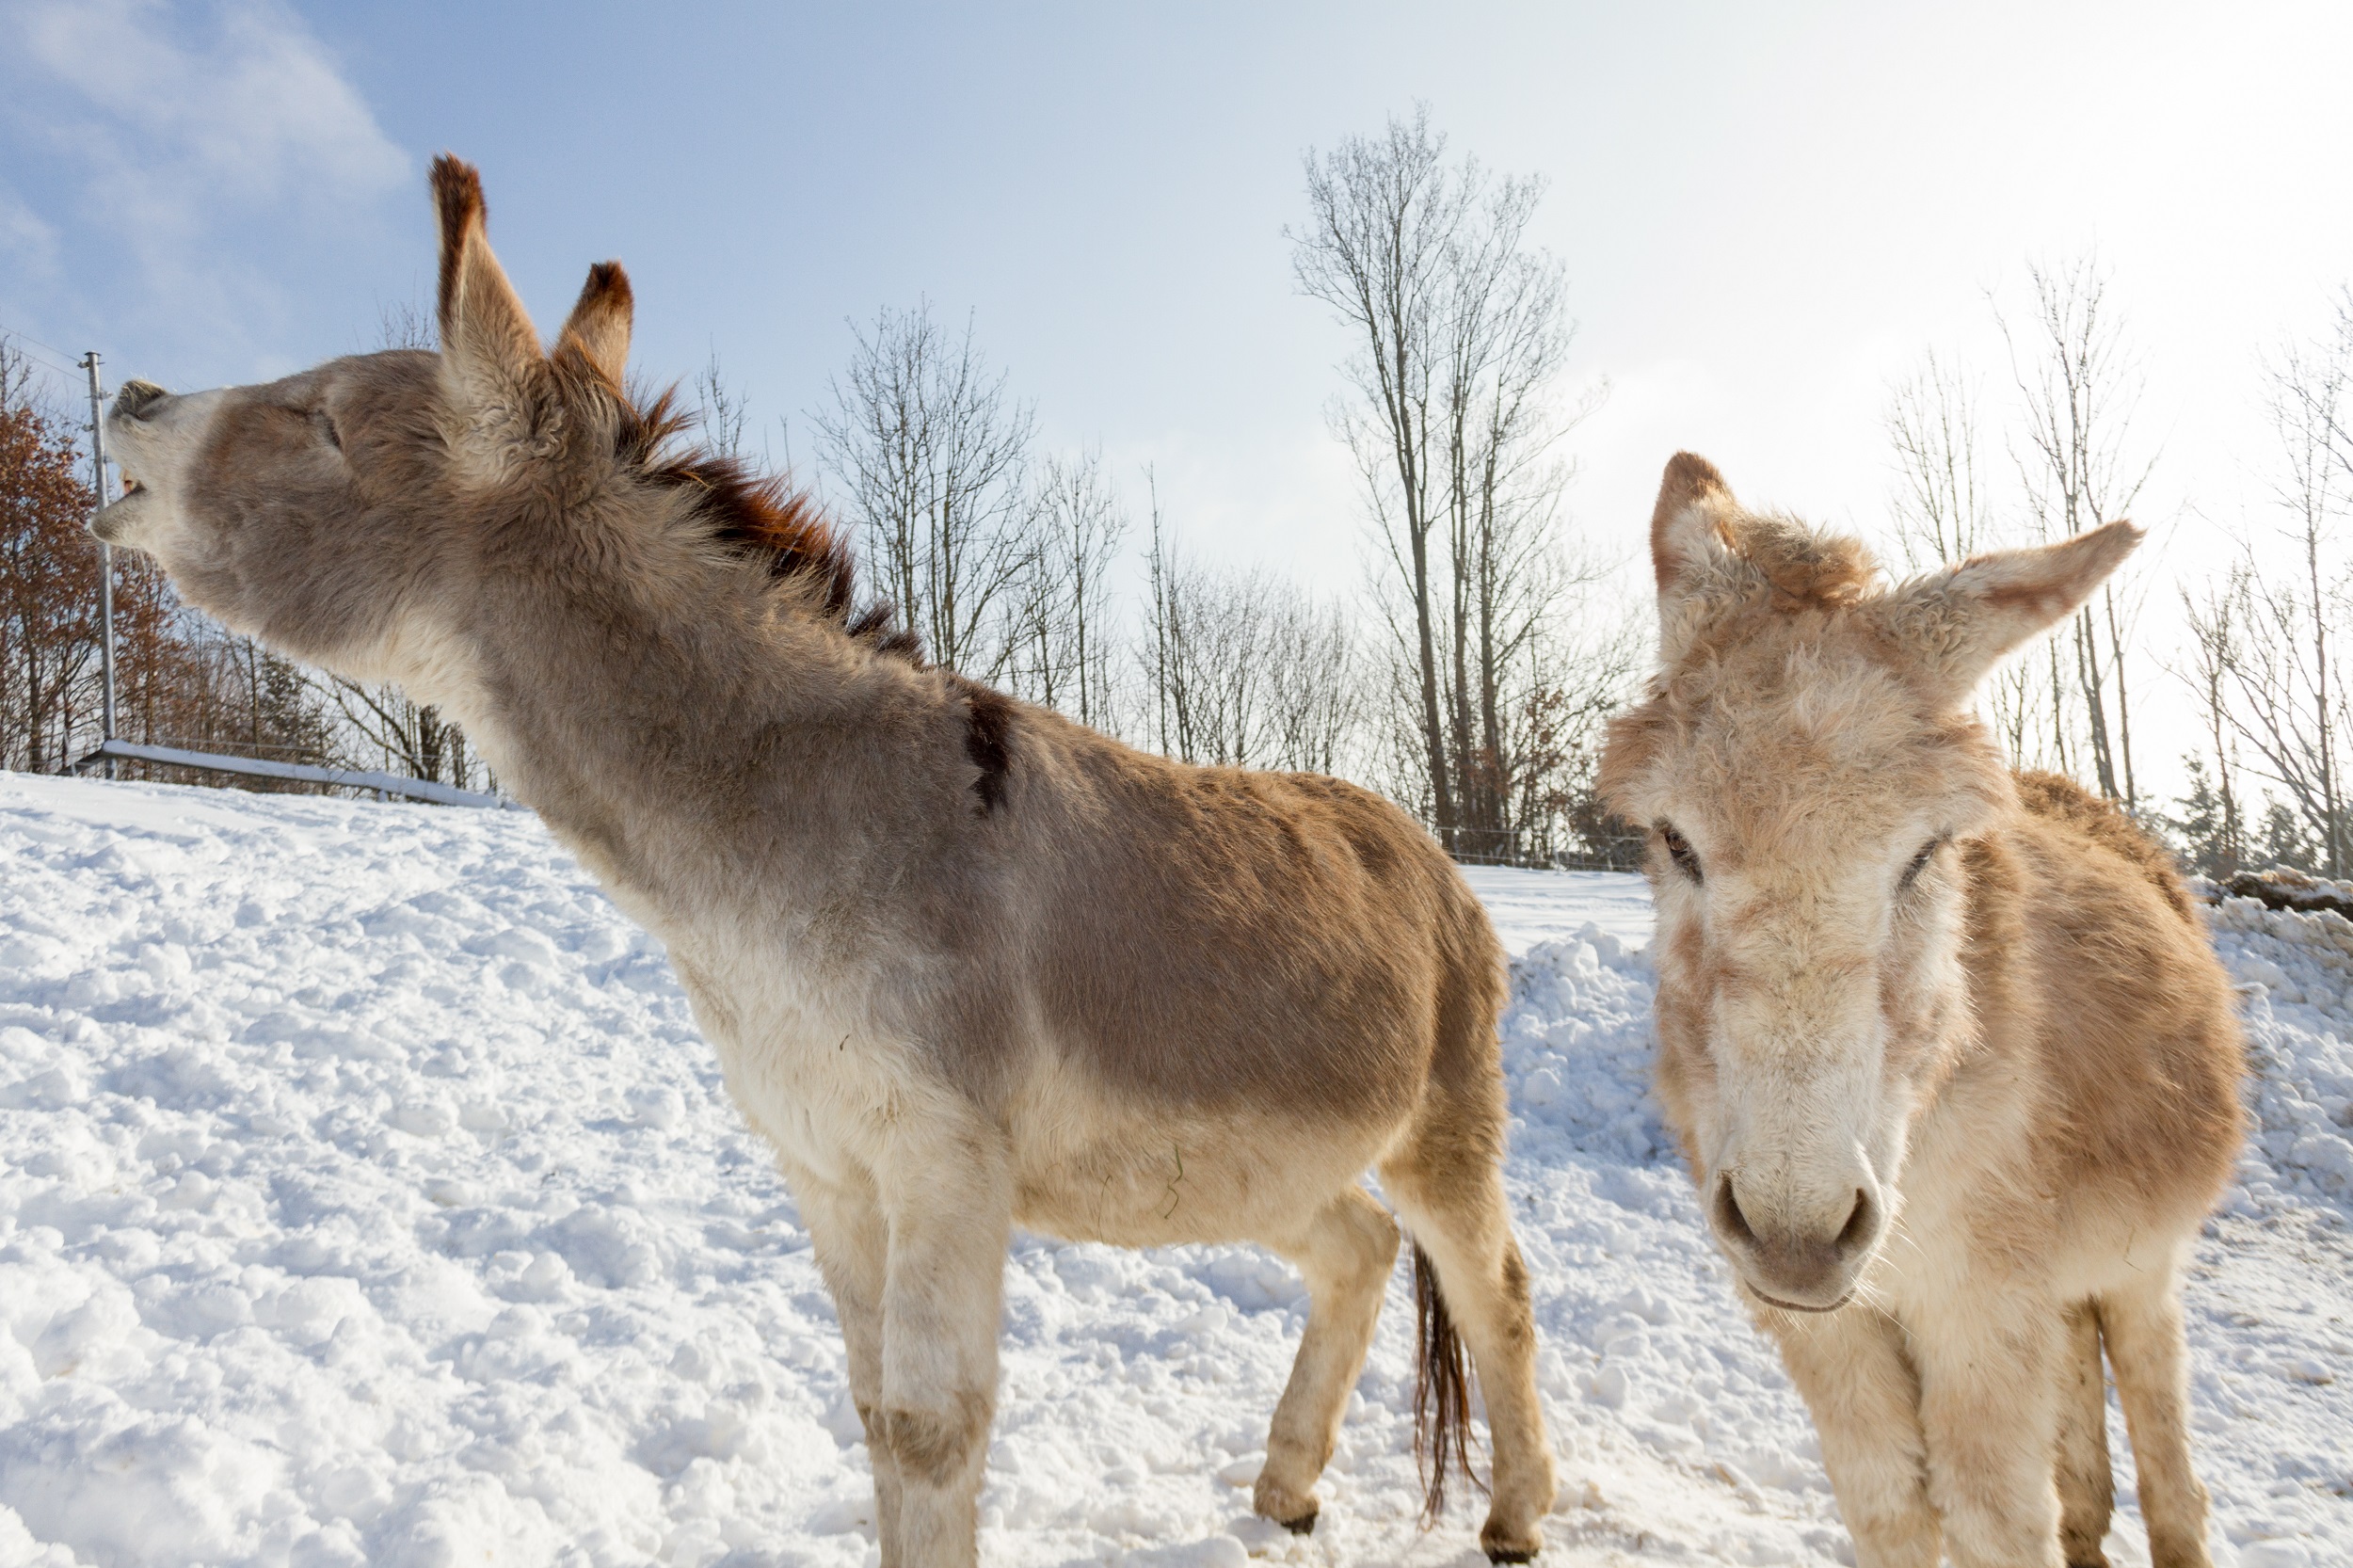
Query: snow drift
[(367, 1196)]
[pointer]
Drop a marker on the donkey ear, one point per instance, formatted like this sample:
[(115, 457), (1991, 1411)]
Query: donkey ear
[(1691, 540), (1960, 620), (599, 325), (491, 367), (1690, 528)]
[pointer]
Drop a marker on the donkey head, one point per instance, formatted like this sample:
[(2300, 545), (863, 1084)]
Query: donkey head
[(1810, 772), (336, 514), (368, 516)]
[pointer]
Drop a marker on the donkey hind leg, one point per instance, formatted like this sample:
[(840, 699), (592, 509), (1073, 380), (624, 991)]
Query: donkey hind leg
[(1446, 1186), (847, 1233), (1345, 1254), (950, 1207), (2143, 1328), (2087, 1487), (1859, 1387)]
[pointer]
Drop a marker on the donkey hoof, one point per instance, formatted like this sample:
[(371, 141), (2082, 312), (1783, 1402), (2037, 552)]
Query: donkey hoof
[(1502, 1547), (1303, 1525)]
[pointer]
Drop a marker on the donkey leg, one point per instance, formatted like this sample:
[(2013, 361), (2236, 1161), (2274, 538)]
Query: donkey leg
[(949, 1206), (852, 1242), (2146, 1350), (2087, 1487), (1451, 1196), (1988, 1367), (1851, 1369), (1345, 1254)]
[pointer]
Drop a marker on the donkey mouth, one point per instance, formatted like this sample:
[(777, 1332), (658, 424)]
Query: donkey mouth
[(113, 523), (1800, 1306)]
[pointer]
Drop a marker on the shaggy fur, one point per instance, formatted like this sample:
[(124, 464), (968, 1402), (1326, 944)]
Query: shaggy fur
[(1952, 1061), (965, 963)]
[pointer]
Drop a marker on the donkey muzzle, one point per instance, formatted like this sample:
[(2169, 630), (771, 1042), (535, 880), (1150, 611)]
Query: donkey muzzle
[(1803, 1259)]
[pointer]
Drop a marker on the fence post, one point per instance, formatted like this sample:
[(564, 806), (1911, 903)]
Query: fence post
[(106, 560)]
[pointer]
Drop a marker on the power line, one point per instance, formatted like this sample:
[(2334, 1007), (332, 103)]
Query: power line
[(72, 359)]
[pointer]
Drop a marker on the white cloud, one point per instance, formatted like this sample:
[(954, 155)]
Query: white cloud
[(247, 106), (28, 241), (183, 161)]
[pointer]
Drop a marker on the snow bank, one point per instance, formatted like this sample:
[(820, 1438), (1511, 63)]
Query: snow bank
[(366, 1196)]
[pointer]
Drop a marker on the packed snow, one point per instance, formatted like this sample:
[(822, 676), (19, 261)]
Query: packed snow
[(367, 1196)]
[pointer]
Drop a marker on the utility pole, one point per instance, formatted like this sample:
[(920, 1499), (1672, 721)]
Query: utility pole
[(106, 559)]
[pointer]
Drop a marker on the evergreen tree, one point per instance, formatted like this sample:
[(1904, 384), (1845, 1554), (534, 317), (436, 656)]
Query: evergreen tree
[(2206, 828), (2283, 840)]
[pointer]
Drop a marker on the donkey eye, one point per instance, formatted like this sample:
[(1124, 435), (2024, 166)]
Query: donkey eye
[(1679, 850), (1920, 862)]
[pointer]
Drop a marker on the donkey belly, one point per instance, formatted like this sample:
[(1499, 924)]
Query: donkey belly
[(1141, 1180)]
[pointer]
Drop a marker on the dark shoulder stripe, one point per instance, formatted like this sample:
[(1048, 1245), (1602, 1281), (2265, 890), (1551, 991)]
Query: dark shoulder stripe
[(987, 726)]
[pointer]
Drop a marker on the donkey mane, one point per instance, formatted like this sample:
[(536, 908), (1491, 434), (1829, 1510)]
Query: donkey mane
[(1806, 567), (761, 518), (2061, 799)]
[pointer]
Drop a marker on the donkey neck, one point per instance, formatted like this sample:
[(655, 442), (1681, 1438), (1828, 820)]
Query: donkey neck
[(700, 744)]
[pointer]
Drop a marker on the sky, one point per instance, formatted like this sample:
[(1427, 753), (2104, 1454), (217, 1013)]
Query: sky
[(1765, 213)]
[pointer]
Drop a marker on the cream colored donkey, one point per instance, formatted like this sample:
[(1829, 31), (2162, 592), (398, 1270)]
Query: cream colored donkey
[(965, 963), (1952, 1061)]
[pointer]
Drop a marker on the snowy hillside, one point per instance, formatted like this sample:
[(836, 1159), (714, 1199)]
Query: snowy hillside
[(367, 1196)]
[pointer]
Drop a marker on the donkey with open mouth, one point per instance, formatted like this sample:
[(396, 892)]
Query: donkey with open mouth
[(1952, 1061), (967, 965)]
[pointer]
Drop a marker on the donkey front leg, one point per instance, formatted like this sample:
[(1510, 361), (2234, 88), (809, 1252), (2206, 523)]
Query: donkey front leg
[(1990, 1363), (852, 1241), (948, 1204), (1850, 1369)]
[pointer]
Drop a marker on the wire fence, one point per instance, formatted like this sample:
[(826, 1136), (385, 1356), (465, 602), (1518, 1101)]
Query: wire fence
[(1538, 849)]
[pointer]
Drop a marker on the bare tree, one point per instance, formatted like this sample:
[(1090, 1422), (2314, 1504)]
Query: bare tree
[(1939, 503), (2212, 673), (1560, 732), (1459, 335), (2265, 656), (721, 410), (2079, 388), (1064, 631), (1245, 668), (932, 457), (1942, 513)]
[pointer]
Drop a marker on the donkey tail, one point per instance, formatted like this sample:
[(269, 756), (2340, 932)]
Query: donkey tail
[(1441, 1377)]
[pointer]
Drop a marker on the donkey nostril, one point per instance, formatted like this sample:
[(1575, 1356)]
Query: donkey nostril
[(1860, 1224), (1728, 1216), (135, 395)]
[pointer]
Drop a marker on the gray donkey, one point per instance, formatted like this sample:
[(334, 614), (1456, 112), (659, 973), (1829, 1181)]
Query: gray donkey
[(965, 963)]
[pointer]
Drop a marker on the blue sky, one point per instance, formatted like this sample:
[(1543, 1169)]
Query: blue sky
[(1766, 211)]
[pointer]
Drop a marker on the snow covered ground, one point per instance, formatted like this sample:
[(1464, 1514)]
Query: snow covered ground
[(366, 1196)]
